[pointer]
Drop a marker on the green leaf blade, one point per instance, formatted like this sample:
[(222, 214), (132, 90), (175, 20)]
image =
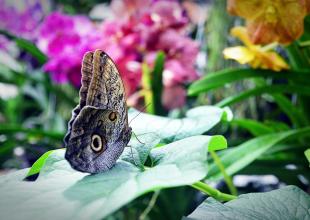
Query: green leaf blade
[(239, 157), (197, 121), (220, 78), (36, 167), (270, 89), (289, 202)]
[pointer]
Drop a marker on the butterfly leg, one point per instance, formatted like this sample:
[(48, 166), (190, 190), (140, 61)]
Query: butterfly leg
[(132, 156), (137, 138)]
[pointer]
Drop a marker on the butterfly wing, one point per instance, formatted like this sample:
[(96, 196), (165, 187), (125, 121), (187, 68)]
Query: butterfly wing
[(106, 89), (87, 72), (101, 113)]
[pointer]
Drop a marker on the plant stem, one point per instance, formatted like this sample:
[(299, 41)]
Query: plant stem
[(269, 46), (147, 90), (304, 43), (216, 194), (150, 205), (227, 178)]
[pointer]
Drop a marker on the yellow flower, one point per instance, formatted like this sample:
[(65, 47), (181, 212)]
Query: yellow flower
[(254, 55), (270, 21)]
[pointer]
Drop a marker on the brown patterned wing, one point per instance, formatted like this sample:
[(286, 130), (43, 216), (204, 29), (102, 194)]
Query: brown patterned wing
[(106, 89), (98, 130), (87, 74), (86, 71)]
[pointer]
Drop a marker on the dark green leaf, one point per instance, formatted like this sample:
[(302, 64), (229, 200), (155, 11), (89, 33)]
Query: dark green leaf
[(272, 89), (256, 128), (26, 45), (239, 157), (288, 203), (218, 79), (294, 113), (157, 83)]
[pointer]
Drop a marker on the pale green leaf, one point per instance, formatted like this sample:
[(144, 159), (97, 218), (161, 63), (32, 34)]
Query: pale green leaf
[(63, 193), (287, 203)]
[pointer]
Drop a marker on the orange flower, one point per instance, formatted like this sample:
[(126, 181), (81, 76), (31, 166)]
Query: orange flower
[(272, 20), (254, 55)]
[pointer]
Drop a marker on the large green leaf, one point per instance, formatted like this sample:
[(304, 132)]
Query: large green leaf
[(239, 157), (197, 121), (270, 89), (220, 78), (288, 203), (63, 193)]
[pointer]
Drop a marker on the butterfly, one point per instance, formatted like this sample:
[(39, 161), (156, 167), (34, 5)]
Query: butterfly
[(98, 131)]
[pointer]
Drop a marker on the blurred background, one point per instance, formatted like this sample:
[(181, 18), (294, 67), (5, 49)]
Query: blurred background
[(250, 56)]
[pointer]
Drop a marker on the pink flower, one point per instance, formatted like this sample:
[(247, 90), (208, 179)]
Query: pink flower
[(65, 45), (127, 8), (139, 31), (168, 14), (181, 56), (177, 73), (174, 97)]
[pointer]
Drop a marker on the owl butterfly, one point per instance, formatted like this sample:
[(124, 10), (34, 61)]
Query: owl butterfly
[(98, 130)]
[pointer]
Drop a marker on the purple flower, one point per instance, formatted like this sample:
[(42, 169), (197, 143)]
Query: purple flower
[(65, 39), (22, 23), (181, 55), (168, 14)]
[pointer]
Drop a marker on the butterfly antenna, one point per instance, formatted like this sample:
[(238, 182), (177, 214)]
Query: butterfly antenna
[(139, 113), (137, 138)]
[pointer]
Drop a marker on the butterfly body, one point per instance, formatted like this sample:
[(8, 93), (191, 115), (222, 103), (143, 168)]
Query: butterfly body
[(98, 131)]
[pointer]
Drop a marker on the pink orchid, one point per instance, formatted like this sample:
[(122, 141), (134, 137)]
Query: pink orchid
[(139, 31), (65, 46), (174, 97)]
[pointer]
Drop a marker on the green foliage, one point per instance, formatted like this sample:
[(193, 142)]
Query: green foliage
[(182, 162), (96, 196), (307, 154), (157, 83), (78, 6), (270, 131), (36, 167), (34, 115), (152, 82), (217, 29), (223, 77), (27, 46), (196, 121), (289, 202), (284, 89), (289, 91), (239, 157)]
